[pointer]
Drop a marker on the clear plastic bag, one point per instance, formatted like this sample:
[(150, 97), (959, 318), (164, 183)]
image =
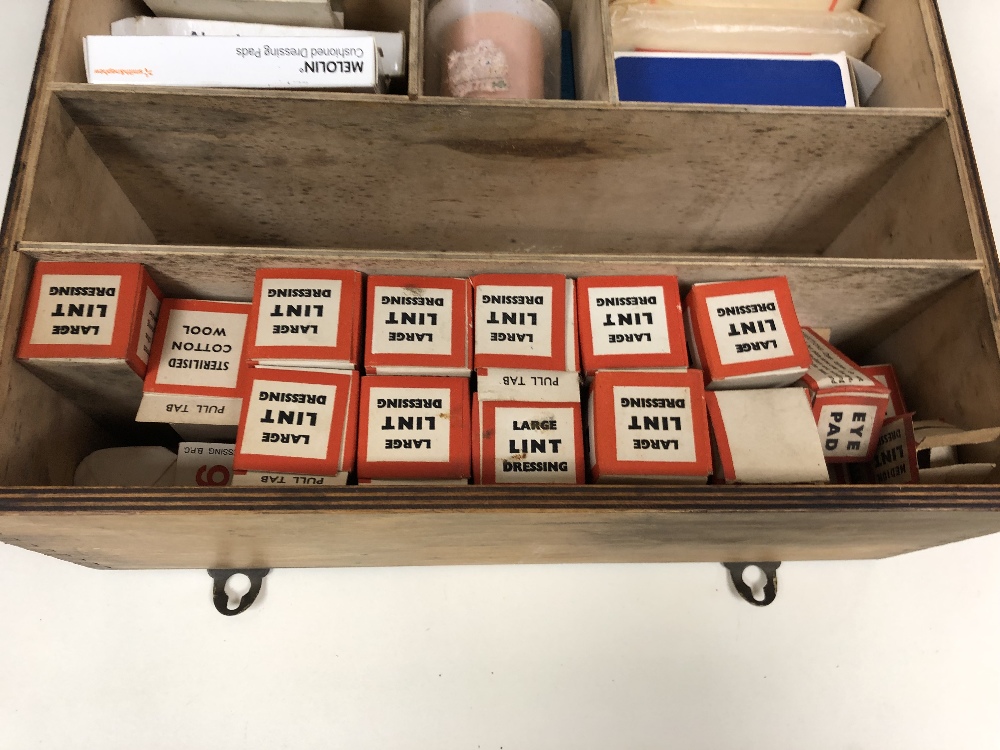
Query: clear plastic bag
[(642, 25), (827, 6)]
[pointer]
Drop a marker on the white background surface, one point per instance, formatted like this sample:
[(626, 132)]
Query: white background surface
[(900, 653)]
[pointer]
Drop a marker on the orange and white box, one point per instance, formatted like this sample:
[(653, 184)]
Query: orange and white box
[(648, 427), (631, 323), (418, 325), (886, 375), (527, 428), (414, 428), (196, 365), (297, 423), (305, 318), (88, 331), (849, 406), (895, 459), (745, 334), (765, 436), (204, 464), (526, 321)]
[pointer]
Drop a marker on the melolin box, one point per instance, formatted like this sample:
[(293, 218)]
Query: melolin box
[(631, 323), (765, 436), (527, 428), (418, 325), (526, 321), (305, 318), (297, 422), (849, 406), (745, 334), (204, 464), (196, 364), (648, 427), (88, 330), (414, 428)]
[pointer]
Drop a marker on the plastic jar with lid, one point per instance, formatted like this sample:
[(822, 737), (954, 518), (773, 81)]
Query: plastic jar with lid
[(493, 49)]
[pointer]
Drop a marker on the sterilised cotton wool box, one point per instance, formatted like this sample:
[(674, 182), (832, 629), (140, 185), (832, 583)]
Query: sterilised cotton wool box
[(648, 427), (526, 321), (88, 330), (195, 367), (305, 318), (631, 323), (527, 428), (418, 325), (745, 334)]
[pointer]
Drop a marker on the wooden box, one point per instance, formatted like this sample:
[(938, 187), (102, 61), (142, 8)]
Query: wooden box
[(874, 215)]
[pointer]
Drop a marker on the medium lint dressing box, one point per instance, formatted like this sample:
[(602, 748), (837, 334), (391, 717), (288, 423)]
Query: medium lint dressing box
[(88, 330), (414, 428), (849, 406), (765, 436), (418, 325), (195, 366), (745, 334), (886, 375), (631, 323), (305, 318), (204, 464), (526, 321), (297, 423), (648, 427), (527, 428)]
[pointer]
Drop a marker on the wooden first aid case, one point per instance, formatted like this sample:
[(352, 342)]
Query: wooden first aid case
[(874, 215)]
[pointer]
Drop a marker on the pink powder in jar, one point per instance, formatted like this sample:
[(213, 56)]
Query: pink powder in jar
[(493, 56)]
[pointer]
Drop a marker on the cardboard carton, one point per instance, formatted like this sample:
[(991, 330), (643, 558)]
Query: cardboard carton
[(886, 375), (648, 427), (305, 318), (204, 464), (631, 323), (414, 428), (765, 437), (745, 334), (848, 405), (418, 325), (298, 423), (88, 331), (527, 428), (195, 366), (526, 321)]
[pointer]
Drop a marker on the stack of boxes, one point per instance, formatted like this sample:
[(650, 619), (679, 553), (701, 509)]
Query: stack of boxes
[(766, 401)]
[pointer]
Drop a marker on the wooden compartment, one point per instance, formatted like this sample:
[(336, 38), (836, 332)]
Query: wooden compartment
[(874, 215)]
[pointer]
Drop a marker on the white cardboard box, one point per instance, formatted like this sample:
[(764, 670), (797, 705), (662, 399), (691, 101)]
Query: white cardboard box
[(338, 64), (391, 45), (319, 13), (204, 464)]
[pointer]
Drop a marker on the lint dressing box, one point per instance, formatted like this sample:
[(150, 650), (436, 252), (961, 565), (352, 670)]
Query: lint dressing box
[(305, 318), (88, 330), (745, 334), (527, 428), (765, 436), (886, 375), (414, 428), (297, 423), (195, 367), (648, 427), (631, 323), (849, 406), (418, 325), (526, 321)]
